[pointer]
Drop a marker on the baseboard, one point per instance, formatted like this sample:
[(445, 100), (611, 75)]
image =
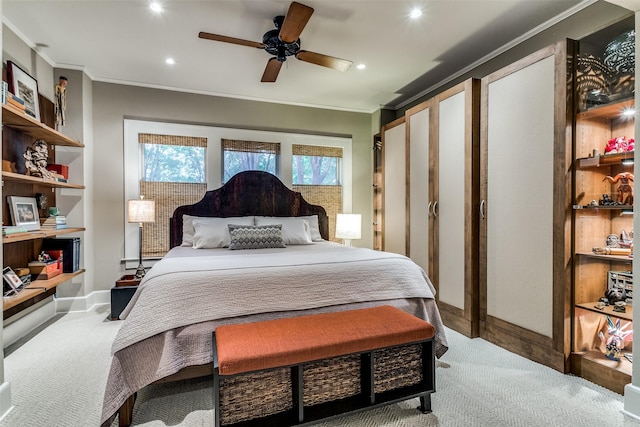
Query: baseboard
[(25, 325), (632, 401), (21, 327), (84, 303), (5, 400)]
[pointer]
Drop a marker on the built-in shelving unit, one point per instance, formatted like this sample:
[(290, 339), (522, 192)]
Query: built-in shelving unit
[(20, 131), (599, 119), (377, 193)]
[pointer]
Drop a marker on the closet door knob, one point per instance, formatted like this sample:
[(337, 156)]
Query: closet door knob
[(429, 210), (435, 209), (482, 203)]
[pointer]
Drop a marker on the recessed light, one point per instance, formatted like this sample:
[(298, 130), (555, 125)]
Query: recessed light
[(629, 111), (415, 13), (170, 61), (156, 7), (361, 66)]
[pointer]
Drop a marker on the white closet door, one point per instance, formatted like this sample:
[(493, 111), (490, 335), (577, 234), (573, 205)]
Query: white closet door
[(520, 228), (451, 200), (418, 124), (395, 187)]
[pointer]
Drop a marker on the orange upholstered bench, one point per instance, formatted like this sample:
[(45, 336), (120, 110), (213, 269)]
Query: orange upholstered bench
[(299, 370)]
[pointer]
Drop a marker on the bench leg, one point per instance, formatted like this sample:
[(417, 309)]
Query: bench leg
[(425, 404)]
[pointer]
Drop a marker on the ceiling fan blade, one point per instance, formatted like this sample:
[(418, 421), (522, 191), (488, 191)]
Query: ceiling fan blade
[(297, 17), (271, 71), (324, 60), (227, 39)]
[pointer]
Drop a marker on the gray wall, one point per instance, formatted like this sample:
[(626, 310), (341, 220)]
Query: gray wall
[(113, 103), (589, 20)]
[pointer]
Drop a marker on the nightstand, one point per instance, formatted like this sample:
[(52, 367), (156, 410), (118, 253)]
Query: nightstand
[(121, 294)]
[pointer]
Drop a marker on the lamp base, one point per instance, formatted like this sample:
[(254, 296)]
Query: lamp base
[(140, 272)]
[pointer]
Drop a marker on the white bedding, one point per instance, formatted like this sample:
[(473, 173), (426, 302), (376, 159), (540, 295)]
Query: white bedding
[(191, 291)]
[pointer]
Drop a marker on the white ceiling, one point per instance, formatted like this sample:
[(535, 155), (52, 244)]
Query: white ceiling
[(125, 42)]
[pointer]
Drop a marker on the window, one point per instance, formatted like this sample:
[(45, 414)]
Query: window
[(316, 172), (238, 156), (173, 163), (172, 174), (314, 165)]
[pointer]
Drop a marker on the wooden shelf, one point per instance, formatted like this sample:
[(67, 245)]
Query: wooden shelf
[(611, 208), (608, 258), (608, 111), (608, 310), (594, 367), (604, 160), (39, 234), (36, 288), (18, 120), (26, 179)]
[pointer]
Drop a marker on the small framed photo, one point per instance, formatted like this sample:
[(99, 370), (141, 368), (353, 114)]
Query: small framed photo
[(24, 212), (13, 282), (25, 87)]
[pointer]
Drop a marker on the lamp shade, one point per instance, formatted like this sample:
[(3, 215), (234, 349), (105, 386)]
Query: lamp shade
[(348, 226), (140, 210)]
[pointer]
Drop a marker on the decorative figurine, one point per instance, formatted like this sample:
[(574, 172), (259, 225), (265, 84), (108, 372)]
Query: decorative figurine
[(606, 200), (624, 188), (626, 239), (61, 101), (613, 240), (617, 337), (36, 159)]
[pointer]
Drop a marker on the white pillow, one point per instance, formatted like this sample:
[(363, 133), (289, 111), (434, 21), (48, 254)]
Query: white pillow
[(295, 230), (214, 232), (187, 230), (314, 227)]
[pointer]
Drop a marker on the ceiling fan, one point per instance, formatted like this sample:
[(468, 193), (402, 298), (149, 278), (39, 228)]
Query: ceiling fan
[(284, 41)]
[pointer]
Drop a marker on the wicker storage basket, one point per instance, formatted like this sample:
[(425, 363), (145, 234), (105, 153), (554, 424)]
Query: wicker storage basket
[(331, 379), (397, 367), (255, 395)]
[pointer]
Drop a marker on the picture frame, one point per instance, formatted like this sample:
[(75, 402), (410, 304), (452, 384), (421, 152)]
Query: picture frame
[(12, 280), (24, 212), (25, 87)]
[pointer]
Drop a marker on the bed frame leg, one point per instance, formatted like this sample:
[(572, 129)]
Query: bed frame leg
[(425, 404), (125, 413)]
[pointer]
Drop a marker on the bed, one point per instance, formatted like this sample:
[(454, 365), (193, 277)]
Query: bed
[(203, 282)]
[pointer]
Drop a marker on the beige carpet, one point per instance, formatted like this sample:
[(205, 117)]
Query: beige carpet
[(58, 377)]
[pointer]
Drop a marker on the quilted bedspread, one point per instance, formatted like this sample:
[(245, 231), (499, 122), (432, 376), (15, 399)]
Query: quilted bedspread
[(188, 293)]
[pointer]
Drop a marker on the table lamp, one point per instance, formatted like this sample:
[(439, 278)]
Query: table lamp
[(348, 227), (140, 211)]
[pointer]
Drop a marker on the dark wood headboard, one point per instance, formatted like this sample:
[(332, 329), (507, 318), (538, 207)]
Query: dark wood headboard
[(249, 193)]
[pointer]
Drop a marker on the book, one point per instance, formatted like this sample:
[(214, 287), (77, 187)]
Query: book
[(71, 248), (16, 104), (12, 229), (54, 222), (4, 89), (15, 98)]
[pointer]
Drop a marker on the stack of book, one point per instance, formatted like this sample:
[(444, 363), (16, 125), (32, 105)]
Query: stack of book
[(54, 222), (15, 101)]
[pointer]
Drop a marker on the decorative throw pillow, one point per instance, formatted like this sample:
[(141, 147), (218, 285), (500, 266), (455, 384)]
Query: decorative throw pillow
[(256, 236)]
